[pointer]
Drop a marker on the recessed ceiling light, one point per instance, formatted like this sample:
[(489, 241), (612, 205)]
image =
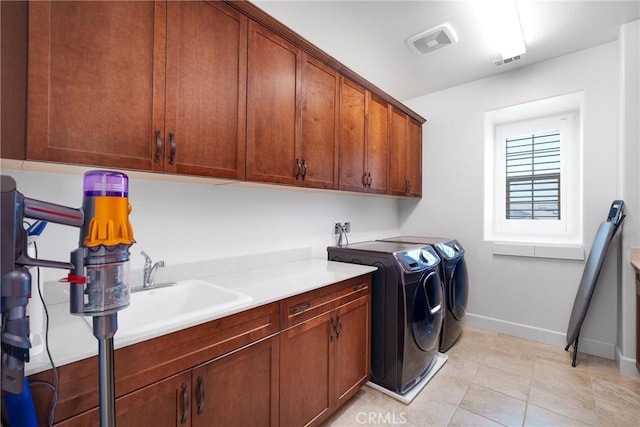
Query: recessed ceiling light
[(501, 22)]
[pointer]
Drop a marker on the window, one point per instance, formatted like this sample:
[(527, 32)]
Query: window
[(533, 174)]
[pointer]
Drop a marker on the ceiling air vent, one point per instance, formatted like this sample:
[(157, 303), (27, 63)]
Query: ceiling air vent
[(500, 62), (432, 39)]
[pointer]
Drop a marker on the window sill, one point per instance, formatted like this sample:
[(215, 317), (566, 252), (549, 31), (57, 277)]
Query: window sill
[(534, 250)]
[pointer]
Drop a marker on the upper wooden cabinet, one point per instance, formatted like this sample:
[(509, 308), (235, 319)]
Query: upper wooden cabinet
[(96, 82), (377, 167), (353, 150), (364, 142), (414, 160), (273, 113), (206, 90), (405, 147), (97, 94), (216, 89), (292, 114), (320, 118)]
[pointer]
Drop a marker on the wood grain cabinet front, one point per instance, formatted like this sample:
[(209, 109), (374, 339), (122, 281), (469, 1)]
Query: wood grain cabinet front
[(405, 147), (162, 404), (292, 114), (325, 356), (139, 85), (239, 388), (364, 140)]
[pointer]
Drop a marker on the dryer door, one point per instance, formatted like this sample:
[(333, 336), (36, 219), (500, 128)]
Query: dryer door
[(427, 312), (458, 289)]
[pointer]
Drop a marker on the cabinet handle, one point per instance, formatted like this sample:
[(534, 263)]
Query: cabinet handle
[(365, 179), (369, 181), (298, 166), (185, 404), (200, 395), (338, 327), (360, 287), (304, 169), (299, 308), (172, 157), (333, 330), (156, 159), (408, 186)]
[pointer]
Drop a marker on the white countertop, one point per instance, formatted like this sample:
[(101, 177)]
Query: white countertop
[(71, 338)]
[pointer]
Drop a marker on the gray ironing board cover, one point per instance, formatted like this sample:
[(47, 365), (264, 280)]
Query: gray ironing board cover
[(598, 252)]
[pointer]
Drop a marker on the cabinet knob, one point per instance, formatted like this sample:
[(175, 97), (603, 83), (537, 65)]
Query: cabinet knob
[(360, 287), (185, 404), (299, 308), (172, 140), (298, 166), (158, 146), (200, 395)]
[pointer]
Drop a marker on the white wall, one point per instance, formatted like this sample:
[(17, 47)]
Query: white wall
[(184, 222), (523, 296), (629, 182)]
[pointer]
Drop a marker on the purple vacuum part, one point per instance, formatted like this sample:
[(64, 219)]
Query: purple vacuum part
[(106, 183)]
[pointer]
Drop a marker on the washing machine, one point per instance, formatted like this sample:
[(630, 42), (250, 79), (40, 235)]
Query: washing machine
[(455, 283), (407, 309)]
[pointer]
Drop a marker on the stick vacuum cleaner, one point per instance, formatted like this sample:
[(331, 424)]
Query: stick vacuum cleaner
[(98, 281)]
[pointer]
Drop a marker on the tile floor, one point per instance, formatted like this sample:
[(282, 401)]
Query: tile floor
[(493, 379)]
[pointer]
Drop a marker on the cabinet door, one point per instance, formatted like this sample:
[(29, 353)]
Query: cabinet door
[(352, 136), (206, 90), (398, 179), (273, 111), (352, 348), (414, 160), (165, 403), (305, 368), (319, 145), (96, 82), (377, 144), (239, 389)]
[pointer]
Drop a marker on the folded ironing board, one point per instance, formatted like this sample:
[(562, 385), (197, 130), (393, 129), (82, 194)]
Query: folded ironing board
[(601, 242)]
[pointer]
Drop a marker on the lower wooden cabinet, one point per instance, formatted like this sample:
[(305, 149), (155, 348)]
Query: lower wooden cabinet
[(288, 363), (324, 360), (238, 389), (165, 403)]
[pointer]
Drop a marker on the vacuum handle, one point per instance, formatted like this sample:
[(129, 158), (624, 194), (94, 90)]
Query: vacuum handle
[(51, 212)]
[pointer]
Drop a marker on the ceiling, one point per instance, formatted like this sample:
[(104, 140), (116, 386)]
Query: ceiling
[(370, 36)]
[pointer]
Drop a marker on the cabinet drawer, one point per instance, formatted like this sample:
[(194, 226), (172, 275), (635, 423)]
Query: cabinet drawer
[(313, 303)]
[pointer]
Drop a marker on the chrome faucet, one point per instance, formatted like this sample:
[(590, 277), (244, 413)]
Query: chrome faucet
[(150, 270)]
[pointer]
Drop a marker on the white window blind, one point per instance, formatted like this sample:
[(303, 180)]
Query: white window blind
[(533, 176)]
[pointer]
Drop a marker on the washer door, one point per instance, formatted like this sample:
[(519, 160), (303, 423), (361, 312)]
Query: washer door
[(427, 312), (458, 289)]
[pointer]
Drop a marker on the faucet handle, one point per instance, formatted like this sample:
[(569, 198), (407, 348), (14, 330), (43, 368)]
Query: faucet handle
[(147, 258)]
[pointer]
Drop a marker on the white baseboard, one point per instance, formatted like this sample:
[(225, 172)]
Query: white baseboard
[(627, 365), (546, 336)]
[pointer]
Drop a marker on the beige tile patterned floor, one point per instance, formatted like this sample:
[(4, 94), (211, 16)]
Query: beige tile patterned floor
[(493, 379)]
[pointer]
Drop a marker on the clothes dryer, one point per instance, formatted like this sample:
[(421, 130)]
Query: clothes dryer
[(455, 281), (407, 309)]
